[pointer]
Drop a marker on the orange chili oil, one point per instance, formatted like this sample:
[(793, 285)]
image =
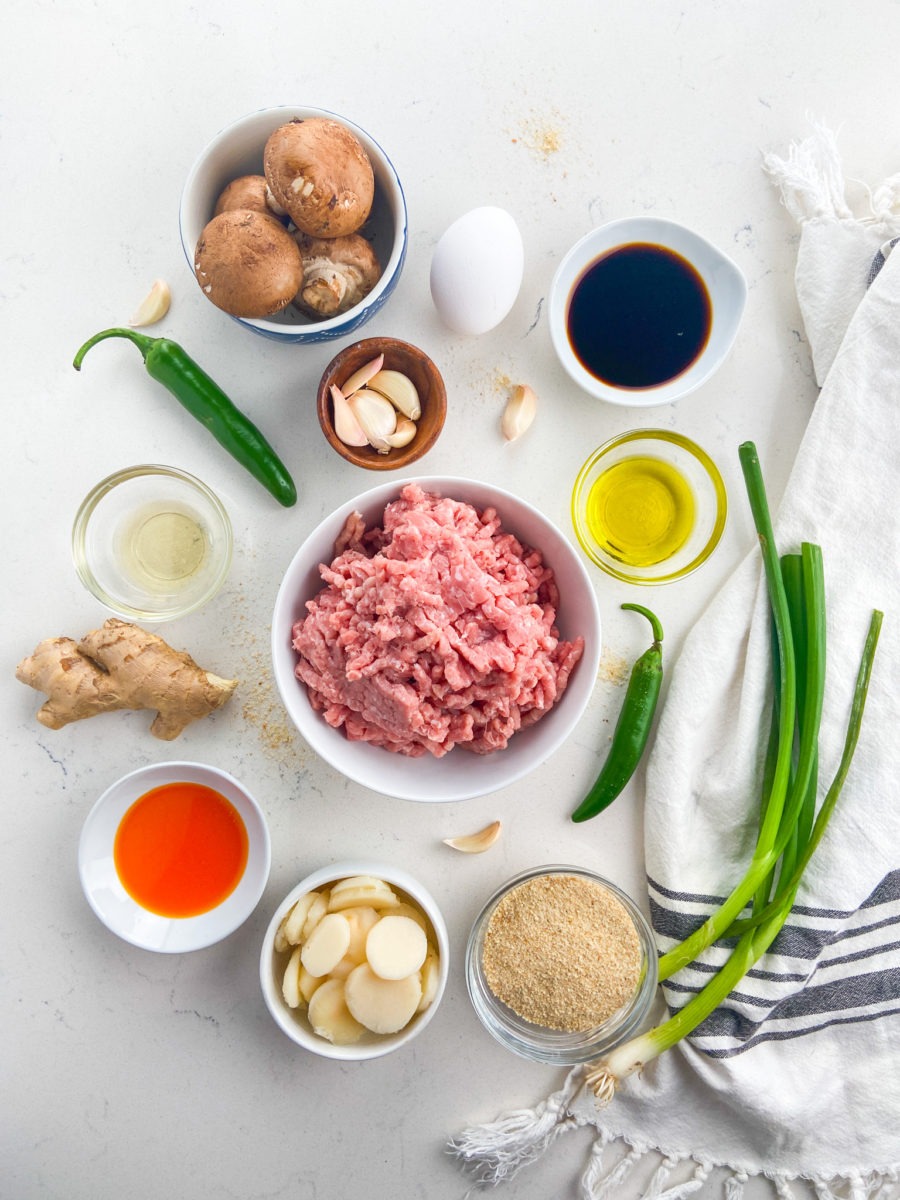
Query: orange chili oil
[(180, 849)]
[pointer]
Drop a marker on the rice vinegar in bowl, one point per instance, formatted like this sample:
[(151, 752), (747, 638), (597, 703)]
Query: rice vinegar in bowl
[(649, 506)]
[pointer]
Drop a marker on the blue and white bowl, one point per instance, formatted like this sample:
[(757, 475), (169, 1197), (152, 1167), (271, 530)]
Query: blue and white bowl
[(238, 150)]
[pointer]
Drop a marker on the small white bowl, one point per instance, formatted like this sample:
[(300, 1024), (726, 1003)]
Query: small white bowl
[(238, 150), (724, 282), (119, 912), (293, 1021), (459, 775)]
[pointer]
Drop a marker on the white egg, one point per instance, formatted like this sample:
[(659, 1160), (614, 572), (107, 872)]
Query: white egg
[(476, 271)]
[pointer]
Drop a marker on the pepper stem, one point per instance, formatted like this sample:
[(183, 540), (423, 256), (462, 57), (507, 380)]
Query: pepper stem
[(141, 340), (654, 620)]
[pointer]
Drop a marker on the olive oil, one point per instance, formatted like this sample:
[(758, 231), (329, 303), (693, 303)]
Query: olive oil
[(640, 511), (163, 548)]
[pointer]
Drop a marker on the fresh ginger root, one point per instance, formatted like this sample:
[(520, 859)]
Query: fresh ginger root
[(121, 666)]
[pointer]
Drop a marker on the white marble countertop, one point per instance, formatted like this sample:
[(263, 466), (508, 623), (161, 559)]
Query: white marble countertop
[(129, 1074)]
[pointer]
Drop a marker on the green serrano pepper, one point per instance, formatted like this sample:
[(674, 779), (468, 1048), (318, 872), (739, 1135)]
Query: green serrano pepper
[(632, 728), (169, 365)]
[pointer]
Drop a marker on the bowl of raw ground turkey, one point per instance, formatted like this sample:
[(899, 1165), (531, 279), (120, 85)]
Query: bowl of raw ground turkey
[(435, 639)]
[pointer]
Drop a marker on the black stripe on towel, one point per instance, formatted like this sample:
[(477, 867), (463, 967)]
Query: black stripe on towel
[(886, 891), (856, 991), (783, 1035)]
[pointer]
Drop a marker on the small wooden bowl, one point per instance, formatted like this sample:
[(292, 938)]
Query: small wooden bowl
[(398, 356)]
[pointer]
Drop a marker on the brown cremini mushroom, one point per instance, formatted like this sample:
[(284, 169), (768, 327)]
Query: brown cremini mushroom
[(337, 273), (248, 191), (319, 172), (247, 264)]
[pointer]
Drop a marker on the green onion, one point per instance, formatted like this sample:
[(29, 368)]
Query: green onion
[(604, 1077), (768, 846), (788, 831)]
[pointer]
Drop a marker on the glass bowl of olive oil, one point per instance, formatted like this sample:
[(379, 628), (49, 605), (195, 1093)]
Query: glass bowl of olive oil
[(649, 506), (152, 543)]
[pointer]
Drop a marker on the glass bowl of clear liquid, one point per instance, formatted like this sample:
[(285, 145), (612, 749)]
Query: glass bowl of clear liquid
[(152, 543)]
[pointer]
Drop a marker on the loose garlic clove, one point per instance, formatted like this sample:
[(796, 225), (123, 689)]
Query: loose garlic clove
[(154, 306), (346, 425), (361, 377), (520, 411), (377, 418), (403, 434), (476, 843), (400, 390)]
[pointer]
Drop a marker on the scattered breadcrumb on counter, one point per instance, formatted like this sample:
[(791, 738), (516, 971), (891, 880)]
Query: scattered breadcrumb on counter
[(614, 668), (541, 134), (261, 709)]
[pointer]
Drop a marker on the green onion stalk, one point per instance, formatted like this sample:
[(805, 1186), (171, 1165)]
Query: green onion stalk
[(604, 1077), (785, 799), (789, 830)]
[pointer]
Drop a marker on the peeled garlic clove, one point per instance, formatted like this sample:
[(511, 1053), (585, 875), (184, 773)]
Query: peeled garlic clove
[(346, 425), (377, 417), (403, 434), (154, 306), (400, 390), (361, 377), (520, 411), (476, 843)]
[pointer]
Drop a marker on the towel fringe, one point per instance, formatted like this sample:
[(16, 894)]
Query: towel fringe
[(595, 1188), (810, 177), (783, 1189), (661, 1177), (734, 1185), (823, 1189), (497, 1151), (681, 1190), (886, 199)]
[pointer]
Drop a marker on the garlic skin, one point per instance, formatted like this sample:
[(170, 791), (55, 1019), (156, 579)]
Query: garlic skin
[(377, 418), (361, 377), (519, 413), (154, 306), (346, 425), (475, 843)]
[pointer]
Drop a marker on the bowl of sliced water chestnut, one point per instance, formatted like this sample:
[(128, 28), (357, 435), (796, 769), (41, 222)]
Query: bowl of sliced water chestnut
[(354, 961)]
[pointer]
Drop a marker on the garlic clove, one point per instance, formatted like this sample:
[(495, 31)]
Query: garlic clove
[(346, 425), (476, 843), (154, 306), (403, 434), (377, 417), (520, 411), (361, 377), (400, 390)]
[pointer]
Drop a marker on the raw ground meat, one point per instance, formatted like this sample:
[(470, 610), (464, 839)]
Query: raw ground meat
[(434, 631)]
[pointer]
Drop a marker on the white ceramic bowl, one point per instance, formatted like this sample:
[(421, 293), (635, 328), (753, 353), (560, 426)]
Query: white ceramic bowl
[(293, 1021), (119, 912), (238, 150), (724, 282), (459, 775)]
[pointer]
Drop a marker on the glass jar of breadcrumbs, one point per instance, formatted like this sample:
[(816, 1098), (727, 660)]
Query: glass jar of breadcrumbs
[(561, 965)]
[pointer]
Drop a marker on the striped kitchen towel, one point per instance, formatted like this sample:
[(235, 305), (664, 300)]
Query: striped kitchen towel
[(827, 967), (796, 1077)]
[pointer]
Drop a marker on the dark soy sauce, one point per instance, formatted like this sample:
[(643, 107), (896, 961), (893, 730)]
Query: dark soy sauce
[(639, 316)]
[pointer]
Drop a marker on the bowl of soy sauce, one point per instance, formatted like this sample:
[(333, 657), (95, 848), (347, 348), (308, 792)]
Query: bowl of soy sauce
[(643, 311)]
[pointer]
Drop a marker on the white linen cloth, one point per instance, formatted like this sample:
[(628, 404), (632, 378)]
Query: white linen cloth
[(797, 1076)]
